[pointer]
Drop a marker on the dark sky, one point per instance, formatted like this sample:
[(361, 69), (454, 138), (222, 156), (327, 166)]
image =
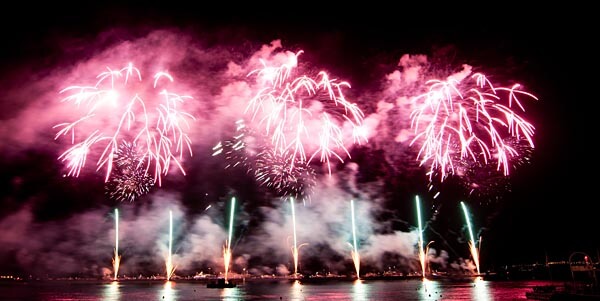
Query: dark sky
[(548, 210)]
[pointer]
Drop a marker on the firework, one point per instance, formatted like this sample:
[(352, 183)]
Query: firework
[(461, 121), (155, 124), (482, 178), (117, 258), (170, 268), (234, 149), (295, 247), (250, 151), (422, 255), (129, 179), (293, 120), (354, 252), (303, 116), (472, 246), (227, 247), (272, 170), (423, 249)]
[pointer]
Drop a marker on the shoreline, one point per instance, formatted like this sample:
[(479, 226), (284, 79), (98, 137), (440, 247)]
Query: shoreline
[(239, 280)]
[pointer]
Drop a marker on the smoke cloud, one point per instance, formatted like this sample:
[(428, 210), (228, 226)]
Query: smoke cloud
[(219, 82)]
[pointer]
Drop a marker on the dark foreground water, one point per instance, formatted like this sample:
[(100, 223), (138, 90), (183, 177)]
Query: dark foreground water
[(270, 290)]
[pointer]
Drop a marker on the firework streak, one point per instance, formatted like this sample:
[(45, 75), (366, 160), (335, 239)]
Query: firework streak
[(422, 254), (170, 268), (117, 259), (472, 245), (295, 247), (227, 247), (354, 253)]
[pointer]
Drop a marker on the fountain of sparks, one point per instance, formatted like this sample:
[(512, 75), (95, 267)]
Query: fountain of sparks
[(472, 247), (355, 255), (295, 247), (422, 253), (117, 259), (169, 263), (227, 248)]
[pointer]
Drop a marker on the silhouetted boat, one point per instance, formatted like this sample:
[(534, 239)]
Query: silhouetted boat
[(220, 283)]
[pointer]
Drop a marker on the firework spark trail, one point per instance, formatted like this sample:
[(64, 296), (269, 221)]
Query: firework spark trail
[(422, 255), (117, 259), (462, 120), (355, 255), (170, 268), (227, 247), (285, 107), (269, 168), (295, 247), (234, 149), (157, 124), (472, 246)]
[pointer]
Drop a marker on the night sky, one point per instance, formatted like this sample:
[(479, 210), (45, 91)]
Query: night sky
[(545, 208)]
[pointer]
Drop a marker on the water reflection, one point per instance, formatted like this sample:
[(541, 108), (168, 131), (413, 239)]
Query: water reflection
[(430, 290), (360, 290), (442, 289), (231, 293), (296, 291), (168, 293), (111, 292), (481, 290)]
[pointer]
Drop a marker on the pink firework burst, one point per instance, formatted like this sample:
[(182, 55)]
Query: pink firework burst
[(304, 117), (122, 108), (466, 121)]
